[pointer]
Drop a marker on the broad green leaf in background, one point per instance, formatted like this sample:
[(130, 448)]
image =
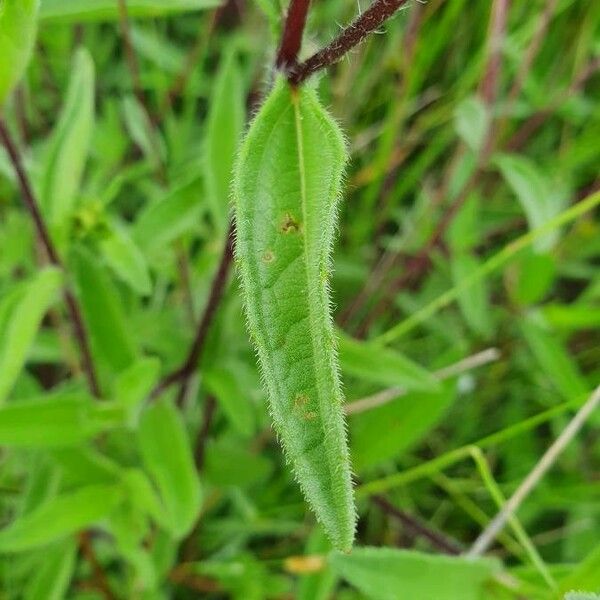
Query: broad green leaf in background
[(126, 260), (69, 11), (70, 143), (158, 49), (386, 432), (473, 301), (51, 580), (391, 574), (167, 456), (83, 465), (18, 26), (21, 322), (381, 365), (60, 517), (554, 360), (471, 121), (540, 198), (234, 401), (226, 118), (581, 596), (164, 221), (111, 339), (287, 183), (62, 419)]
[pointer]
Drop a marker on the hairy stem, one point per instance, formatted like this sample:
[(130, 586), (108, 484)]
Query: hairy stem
[(291, 40), (379, 12)]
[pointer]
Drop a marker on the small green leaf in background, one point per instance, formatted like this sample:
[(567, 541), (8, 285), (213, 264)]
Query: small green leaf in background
[(125, 259), (59, 420), (386, 432), (234, 401), (473, 301), (68, 11), (162, 222), (554, 360), (21, 321), (134, 385), (371, 362), (51, 580), (60, 517), (142, 132), (112, 341), (531, 277), (226, 118), (390, 574), (540, 198), (18, 26), (167, 456), (471, 121), (69, 144)]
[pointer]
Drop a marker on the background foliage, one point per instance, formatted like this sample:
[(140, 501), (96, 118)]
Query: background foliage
[(469, 124)]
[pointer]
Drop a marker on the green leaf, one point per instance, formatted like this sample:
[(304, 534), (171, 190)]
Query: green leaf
[(21, 316), (534, 276), (51, 580), (142, 132), (60, 517), (473, 301), (387, 432), (390, 574), (18, 27), (126, 260), (68, 11), (540, 199), (554, 360), (287, 184), (164, 221), (370, 362), (133, 386), (471, 121), (103, 313), (581, 596), (53, 421), (167, 456), (70, 143), (232, 398), (226, 118)]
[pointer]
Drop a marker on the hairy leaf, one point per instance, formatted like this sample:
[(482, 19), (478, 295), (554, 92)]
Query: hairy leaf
[(286, 191)]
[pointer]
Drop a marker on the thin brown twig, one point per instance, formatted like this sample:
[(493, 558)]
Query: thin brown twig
[(210, 405), (183, 374), (438, 540), (134, 70), (43, 234), (100, 582), (379, 12)]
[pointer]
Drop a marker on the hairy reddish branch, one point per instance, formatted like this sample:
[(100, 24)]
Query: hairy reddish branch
[(379, 12), (291, 40)]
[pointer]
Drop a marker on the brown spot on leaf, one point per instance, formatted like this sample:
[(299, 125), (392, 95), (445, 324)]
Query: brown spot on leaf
[(290, 224)]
